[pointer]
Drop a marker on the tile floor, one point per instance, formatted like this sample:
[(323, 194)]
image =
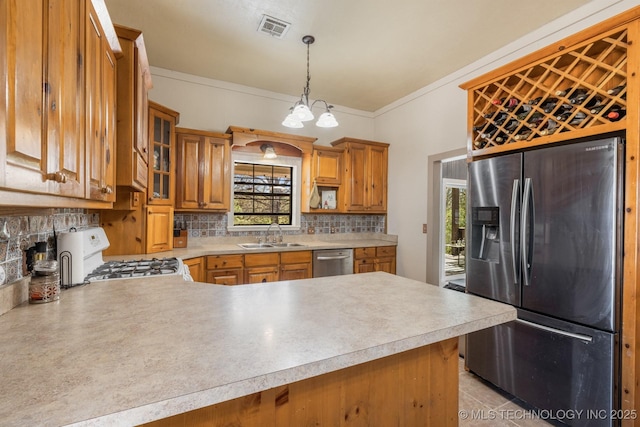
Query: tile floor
[(482, 404)]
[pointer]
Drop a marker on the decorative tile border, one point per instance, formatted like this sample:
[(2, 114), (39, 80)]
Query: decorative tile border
[(215, 225)]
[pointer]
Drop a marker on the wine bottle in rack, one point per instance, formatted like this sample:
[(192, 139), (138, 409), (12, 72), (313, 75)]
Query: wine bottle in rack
[(616, 113), (597, 108), (497, 118), (535, 101), (616, 90), (549, 104), (535, 120), (548, 127), (563, 92), (593, 102), (578, 96), (523, 133), (523, 111), (578, 118), (489, 132), (511, 125), (507, 103), (563, 112), (501, 138)]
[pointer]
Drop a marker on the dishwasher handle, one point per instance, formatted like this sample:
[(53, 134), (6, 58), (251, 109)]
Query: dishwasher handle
[(328, 258)]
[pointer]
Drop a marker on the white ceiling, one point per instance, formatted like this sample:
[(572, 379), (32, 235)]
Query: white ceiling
[(367, 53)]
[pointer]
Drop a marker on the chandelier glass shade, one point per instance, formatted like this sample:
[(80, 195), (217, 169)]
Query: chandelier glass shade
[(301, 110)]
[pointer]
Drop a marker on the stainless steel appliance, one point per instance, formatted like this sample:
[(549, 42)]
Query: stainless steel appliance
[(546, 237), (332, 262), (80, 260)]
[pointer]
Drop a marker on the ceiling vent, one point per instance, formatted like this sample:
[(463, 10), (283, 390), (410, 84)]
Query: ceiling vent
[(273, 26)]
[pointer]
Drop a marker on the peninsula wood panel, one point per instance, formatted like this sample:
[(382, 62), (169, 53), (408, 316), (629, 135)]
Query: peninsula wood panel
[(415, 388)]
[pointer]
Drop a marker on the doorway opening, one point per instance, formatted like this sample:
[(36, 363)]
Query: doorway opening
[(446, 216), (452, 230)]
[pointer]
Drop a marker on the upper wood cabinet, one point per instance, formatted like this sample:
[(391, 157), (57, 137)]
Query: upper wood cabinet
[(203, 172), (100, 97), (41, 116), (134, 82), (57, 65), (326, 166), (364, 185), (162, 147)]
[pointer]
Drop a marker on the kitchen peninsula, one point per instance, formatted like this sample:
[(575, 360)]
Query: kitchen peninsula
[(372, 346)]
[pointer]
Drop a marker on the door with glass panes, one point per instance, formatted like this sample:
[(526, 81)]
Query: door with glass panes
[(162, 124)]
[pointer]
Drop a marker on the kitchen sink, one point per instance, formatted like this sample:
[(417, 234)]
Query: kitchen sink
[(269, 245), (255, 245), (286, 245)]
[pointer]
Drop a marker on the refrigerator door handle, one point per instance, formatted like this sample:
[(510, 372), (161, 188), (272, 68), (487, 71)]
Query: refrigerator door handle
[(524, 225), (512, 225), (585, 338)]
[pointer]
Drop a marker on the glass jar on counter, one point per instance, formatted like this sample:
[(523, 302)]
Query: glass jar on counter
[(45, 282)]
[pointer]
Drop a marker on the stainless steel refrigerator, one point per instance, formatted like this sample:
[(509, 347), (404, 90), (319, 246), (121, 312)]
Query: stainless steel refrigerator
[(546, 236)]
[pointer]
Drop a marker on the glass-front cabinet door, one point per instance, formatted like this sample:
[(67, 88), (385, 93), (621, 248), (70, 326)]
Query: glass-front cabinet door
[(162, 142)]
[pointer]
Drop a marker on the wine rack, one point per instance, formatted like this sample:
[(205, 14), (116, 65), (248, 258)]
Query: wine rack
[(573, 92)]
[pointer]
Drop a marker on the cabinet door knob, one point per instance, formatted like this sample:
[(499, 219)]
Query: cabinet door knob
[(107, 190), (59, 176)]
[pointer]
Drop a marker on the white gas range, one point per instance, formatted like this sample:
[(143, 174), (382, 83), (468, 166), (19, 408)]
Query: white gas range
[(81, 262)]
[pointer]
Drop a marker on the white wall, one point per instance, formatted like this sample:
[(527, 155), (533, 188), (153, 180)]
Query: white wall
[(428, 122), (433, 120), (215, 105)]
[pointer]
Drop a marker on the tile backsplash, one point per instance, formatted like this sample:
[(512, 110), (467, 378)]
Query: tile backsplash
[(215, 225), (37, 226), (24, 230)]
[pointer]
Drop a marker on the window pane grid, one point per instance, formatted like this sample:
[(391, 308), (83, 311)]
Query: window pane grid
[(262, 194)]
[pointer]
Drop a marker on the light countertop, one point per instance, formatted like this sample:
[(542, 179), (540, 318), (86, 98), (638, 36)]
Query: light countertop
[(124, 352), (202, 246)]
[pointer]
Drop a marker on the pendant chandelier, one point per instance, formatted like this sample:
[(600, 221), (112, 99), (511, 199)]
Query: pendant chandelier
[(301, 110)]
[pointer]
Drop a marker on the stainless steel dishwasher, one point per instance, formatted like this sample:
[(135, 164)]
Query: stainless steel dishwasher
[(332, 262)]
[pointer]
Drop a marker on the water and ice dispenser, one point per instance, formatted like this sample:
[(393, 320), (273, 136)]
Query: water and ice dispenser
[(485, 233)]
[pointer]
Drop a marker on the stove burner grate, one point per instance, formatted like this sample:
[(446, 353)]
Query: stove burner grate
[(134, 268)]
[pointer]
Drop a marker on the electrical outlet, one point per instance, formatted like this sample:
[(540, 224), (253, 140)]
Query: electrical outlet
[(311, 230), (424, 228)]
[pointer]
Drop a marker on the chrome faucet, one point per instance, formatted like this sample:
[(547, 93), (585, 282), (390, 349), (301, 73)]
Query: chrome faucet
[(274, 240)]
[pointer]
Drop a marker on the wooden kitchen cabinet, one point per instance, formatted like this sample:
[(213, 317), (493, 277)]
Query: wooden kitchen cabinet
[(159, 228), (196, 268), (162, 146), (203, 172), (326, 166), (100, 107), (225, 269), (136, 228), (364, 187), (381, 258), (261, 268), (57, 119), (134, 82), (296, 265), (41, 116)]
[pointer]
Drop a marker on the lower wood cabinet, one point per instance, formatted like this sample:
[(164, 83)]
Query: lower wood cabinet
[(261, 268), (381, 258), (296, 265), (258, 267), (196, 268), (225, 269), (133, 228)]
